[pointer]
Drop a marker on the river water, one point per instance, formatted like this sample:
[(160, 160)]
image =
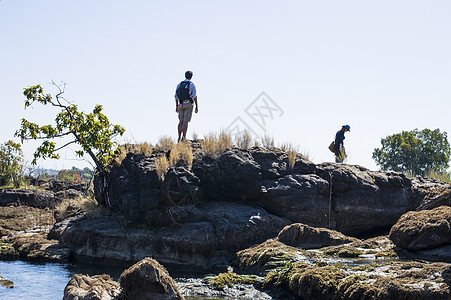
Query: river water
[(47, 281)]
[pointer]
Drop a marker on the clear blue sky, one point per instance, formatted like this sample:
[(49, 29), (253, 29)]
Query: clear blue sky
[(379, 66)]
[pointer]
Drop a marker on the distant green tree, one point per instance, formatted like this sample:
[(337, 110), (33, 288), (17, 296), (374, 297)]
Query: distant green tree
[(414, 151), (11, 163), (93, 132), (75, 175)]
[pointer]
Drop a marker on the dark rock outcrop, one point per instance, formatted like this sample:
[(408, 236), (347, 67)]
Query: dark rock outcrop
[(202, 215), (148, 279), (180, 187), (350, 199), (35, 198), (426, 229), (306, 237), (55, 185), (206, 236), (435, 193), (97, 287)]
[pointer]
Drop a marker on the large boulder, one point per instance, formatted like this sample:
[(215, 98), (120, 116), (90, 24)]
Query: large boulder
[(435, 193), (239, 177), (306, 237), (132, 187), (31, 197), (180, 187), (426, 229), (148, 279), (233, 176), (274, 163), (98, 287), (351, 199), (299, 198)]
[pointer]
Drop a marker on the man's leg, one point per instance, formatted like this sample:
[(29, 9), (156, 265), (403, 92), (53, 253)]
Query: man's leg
[(184, 129), (180, 130), (186, 118)]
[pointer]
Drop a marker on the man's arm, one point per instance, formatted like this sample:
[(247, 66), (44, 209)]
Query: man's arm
[(195, 101), (176, 98)]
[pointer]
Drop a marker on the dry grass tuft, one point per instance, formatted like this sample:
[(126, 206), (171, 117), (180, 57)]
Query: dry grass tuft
[(121, 154), (292, 152), (181, 151), (68, 207), (186, 153), (440, 175), (143, 148), (268, 142), (244, 140), (161, 166), (210, 143), (224, 141), (165, 143), (215, 145), (195, 136)]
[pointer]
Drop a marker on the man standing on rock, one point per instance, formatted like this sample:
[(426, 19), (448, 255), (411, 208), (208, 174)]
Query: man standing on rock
[(185, 95), (339, 148)]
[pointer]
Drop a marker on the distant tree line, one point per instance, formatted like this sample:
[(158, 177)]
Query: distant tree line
[(415, 152)]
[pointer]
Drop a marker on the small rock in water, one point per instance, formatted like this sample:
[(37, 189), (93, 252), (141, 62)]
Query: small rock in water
[(6, 283)]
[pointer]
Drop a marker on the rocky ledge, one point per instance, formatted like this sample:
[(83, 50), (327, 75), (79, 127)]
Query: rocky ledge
[(359, 270)]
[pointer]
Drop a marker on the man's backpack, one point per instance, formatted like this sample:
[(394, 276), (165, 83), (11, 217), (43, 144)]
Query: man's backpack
[(183, 92)]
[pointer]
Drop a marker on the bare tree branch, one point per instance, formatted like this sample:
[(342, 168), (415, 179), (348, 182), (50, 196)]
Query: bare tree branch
[(74, 141), (46, 138)]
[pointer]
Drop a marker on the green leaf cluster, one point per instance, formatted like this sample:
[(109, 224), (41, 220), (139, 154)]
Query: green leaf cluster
[(93, 132), (11, 163), (416, 152)]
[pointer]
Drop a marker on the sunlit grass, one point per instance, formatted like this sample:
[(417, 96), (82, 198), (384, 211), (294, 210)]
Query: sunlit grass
[(224, 141), (181, 151), (443, 176), (244, 140), (85, 204), (267, 141), (141, 148), (210, 144), (161, 166), (165, 143)]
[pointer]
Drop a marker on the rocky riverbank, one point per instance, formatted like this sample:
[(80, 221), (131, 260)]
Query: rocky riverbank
[(299, 228), (27, 216)]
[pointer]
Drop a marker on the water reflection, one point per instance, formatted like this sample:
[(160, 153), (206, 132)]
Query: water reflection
[(47, 281)]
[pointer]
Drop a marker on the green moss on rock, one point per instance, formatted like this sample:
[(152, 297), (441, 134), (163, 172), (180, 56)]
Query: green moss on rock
[(230, 279), (7, 251)]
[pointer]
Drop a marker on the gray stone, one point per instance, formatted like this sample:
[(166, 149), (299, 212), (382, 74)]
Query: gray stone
[(148, 279), (97, 287)]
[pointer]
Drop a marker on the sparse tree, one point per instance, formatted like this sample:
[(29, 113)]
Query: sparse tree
[(414, 151), (93, 132), (11, 163)]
